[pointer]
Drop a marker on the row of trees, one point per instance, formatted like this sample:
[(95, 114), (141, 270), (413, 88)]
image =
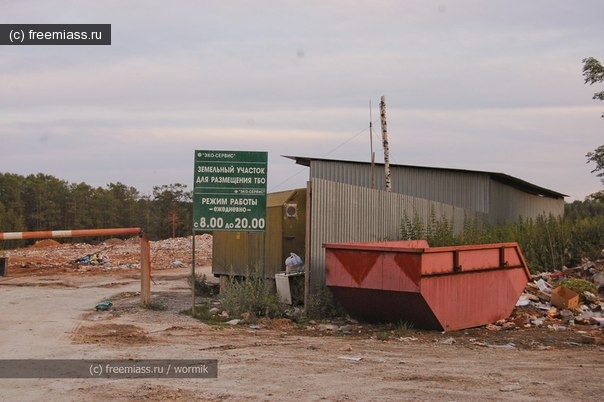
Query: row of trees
[(548, 243), (43, 202)]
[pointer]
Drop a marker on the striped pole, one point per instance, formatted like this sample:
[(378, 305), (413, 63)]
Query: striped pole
[(145, 248), (49, 234)]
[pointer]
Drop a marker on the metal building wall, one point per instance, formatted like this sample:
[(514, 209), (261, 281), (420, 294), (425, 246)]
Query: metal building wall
[(238, 253), (347, 213), (508, 204), (464, 189)]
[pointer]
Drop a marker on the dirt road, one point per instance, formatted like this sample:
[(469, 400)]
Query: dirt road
[(53, 316)]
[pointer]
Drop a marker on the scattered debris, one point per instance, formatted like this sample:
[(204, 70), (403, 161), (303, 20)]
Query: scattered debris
[(501, 325), (524, 300), (350, 358), (562, 300), (544, 286), (92, 259), (563, 297), (510, 387), (595, 340), (328, 327), (104, 305), (294, 263), (448, 341), (509, 345), (598, 280)]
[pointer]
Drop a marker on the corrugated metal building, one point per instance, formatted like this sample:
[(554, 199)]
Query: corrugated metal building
[(340, 205), (502, 197), (344, 207)]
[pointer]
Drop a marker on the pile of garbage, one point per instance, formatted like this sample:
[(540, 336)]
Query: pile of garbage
[(92, 259), (563, 299), (49, 256)]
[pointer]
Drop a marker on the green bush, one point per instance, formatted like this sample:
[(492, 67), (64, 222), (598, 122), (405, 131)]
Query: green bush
[(399, 330), (579, 286), (202, 287), (252, 294), (548, 243), (323, 305)]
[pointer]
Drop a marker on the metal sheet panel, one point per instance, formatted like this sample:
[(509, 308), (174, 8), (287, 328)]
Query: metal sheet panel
[(347, 213), (238, 253), (508, 204), (468, 190), (478, 191)]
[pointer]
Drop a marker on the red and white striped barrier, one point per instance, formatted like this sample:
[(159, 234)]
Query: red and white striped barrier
[(48, 234)]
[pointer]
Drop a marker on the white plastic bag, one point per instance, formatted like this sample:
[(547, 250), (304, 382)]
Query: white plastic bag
[(293, 262)]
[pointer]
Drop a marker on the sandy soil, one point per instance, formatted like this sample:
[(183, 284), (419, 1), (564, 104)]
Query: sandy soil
[(49, 313)]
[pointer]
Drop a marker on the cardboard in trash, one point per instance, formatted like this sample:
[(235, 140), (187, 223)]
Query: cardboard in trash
[(563, 297)]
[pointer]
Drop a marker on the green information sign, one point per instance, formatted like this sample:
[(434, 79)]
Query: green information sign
[(229, 191)]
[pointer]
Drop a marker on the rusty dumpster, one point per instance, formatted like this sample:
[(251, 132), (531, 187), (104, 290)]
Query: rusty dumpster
[(442, 288)]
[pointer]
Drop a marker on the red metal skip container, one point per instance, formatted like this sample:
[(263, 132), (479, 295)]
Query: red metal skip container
[(443, 288)]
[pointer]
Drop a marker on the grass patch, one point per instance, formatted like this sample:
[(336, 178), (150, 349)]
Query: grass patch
[(203, 314), (203, 288), (579, 286), (155, 306), (252, 296), (402, 329), (324, 306)]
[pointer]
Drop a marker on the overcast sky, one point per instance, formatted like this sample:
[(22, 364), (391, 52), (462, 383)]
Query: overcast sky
[(479, 85)]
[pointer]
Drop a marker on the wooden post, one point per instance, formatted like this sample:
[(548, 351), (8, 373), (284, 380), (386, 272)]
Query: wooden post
[(385, 144), (145, 269), (307, 240), (371, 148)]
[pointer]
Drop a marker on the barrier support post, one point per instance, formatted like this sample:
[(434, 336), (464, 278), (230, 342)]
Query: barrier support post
[(145, 270)]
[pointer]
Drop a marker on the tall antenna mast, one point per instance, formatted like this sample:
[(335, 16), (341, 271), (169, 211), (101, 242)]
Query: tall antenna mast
[(385, 144), (371, 147)]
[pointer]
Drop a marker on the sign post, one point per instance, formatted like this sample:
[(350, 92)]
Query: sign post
[(229, 194)]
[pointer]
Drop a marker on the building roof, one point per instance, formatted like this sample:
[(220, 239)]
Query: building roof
[(281, 197), (511, 181)]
